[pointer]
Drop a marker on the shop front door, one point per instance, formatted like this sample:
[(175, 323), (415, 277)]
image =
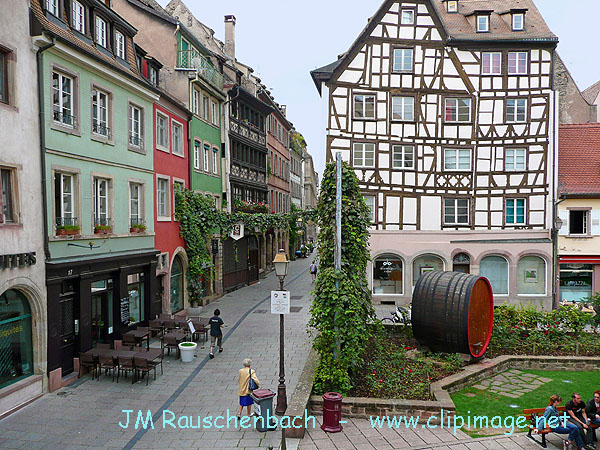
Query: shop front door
[(100, 319), (67, 334), (252, 259)]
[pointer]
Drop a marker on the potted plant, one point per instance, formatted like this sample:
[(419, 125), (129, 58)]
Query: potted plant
[(194, 310), (137, 228), (67, 230), (187, 350), (102, 229)]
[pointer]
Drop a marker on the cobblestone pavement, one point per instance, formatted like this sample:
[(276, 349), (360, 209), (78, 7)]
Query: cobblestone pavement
[(512, 383), (359, 434), (87, 415)]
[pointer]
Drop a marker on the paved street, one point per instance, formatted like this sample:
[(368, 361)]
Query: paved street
[(87, 415)]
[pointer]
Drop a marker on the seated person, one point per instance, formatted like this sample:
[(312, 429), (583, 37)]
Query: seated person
[(576, 409), (592, 409), (552, 420)]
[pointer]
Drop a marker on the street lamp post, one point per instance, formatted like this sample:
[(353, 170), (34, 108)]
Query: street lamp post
[(281, 264)]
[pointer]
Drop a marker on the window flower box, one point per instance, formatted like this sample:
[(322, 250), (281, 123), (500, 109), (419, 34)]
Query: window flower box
[(103, 229), (67, 230), (137, 228)]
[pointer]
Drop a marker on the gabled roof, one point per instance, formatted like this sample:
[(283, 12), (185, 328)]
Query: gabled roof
[(579, 159), (64, 33), (591, 93), (459, 27)]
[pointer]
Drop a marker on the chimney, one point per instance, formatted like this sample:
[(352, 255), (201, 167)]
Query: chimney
[(230, 36), (283, 110)]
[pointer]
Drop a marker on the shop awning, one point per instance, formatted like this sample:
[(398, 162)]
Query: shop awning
[(579, 260)]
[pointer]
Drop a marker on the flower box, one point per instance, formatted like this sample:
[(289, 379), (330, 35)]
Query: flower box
[(67, 230), (103, 229), (137, 229)]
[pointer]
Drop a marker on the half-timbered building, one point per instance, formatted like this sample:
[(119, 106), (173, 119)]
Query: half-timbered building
[(446, 111)]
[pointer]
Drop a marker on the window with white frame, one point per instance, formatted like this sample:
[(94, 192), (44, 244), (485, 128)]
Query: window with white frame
[(161, 131), (515, 211), (531, 276), (457, 159), (8, 201), (62, 99), (514, 159), (78, 17), (100, 31), (516, 110), (491, 63), (403, 157), (100, 113), (135, 126), (408, 17), (206, 157), (458, 110), (177, 135), (495, 269), (162, 198), (195, 95), (215, 160), (135, 204), (64, 199), (370, 201), (153, 75), (387, 274), (403, 59), (579, 221), (456, 211), (518, 22), (101, 202), (363, 154), (364, 106), (517, 63), (452, 6), (52, 7), (483, 24), (214, 115), (197, 155), (178, 186), (205, 111), (403, 108), (120, 44)]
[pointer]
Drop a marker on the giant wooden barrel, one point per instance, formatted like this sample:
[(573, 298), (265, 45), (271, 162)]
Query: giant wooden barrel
[(453, 312)]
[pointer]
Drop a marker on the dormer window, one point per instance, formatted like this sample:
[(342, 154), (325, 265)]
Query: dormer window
[(452, 6), (52, 7), (100, 32), (78, 17), (518, 21), (120, 44), (153, 75), (483, 24)]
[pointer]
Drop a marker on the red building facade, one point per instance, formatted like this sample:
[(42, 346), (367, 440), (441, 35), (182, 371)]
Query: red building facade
[(171, 172)]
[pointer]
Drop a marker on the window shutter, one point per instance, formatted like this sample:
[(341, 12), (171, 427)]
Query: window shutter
[(596, 222), (564, 216)]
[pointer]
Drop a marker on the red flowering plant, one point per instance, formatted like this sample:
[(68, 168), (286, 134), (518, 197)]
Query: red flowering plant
[(250, 207)]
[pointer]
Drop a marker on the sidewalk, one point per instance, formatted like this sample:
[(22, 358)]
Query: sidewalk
[(87, 415)]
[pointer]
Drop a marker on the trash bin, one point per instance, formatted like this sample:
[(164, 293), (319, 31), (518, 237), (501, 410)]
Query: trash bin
[(263, 407), (332, 412)]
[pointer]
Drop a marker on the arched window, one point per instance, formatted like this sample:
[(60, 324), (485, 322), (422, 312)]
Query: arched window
[(387, 275), (176, 285), (426, 263), (461, 263), (495, 269), (531, 276), (16, 349)]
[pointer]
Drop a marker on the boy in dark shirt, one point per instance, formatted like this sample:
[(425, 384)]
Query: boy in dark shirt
[(576, 410), (593, 409), (216, 335)]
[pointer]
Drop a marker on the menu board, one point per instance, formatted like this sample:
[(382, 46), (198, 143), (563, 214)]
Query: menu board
[(125, 310)]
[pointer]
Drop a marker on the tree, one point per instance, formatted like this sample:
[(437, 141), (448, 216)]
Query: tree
[(342, 316)]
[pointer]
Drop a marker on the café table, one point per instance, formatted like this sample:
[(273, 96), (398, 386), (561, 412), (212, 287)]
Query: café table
[(149, 355), (140, 336)]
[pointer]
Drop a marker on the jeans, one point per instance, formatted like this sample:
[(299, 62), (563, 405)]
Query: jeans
[(572, 430), (586, 435)]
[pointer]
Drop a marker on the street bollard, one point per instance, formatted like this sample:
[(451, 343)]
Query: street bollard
[(332, 412)]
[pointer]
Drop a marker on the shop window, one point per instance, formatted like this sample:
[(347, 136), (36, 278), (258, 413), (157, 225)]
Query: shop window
[(135, 287), (426, 263), (176, 286), (575, 282), (387, 275), (16, 349), (495, 269), (531, 276)]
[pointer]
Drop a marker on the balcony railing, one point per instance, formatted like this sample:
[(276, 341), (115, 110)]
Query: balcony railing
[(135, 221), (191, 59), (66, 221), (102, 221), (100, 129), (64, 118), (135, 140)]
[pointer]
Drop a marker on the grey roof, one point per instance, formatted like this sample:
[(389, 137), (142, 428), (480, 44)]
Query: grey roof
[(591, 93)]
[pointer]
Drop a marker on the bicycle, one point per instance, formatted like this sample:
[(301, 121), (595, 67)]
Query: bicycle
[(400, 316)]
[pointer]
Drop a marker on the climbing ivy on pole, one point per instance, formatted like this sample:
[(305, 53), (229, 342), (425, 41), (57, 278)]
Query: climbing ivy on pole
[(346, 312), (199, 220)]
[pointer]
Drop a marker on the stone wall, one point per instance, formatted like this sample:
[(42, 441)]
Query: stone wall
[(573, 107)]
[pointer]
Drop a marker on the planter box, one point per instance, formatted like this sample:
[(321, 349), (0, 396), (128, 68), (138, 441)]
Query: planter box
[(194, 311), (63, 232), (187, 351), (103, 231), (137, 230)]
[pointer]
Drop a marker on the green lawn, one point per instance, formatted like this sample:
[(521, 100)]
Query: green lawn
[(493, 404)]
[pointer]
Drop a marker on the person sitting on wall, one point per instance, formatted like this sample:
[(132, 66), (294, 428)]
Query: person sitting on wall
[(576, 409), (552, 420)]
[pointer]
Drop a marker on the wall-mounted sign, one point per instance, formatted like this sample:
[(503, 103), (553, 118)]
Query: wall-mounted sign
[(18, 260), (125, 310), (280, 302), (237, 232)]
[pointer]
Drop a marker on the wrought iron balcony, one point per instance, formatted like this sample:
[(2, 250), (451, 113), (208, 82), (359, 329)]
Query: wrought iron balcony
[(136, 140), (191, 59), (100, 129), (64, 118), (135, 221), (66, 221), (102, 222)]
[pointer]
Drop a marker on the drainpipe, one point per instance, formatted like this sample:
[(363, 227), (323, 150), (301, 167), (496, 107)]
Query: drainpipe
[(43, 142)]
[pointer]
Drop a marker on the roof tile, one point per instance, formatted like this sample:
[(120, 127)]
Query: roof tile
[(579, 159)]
